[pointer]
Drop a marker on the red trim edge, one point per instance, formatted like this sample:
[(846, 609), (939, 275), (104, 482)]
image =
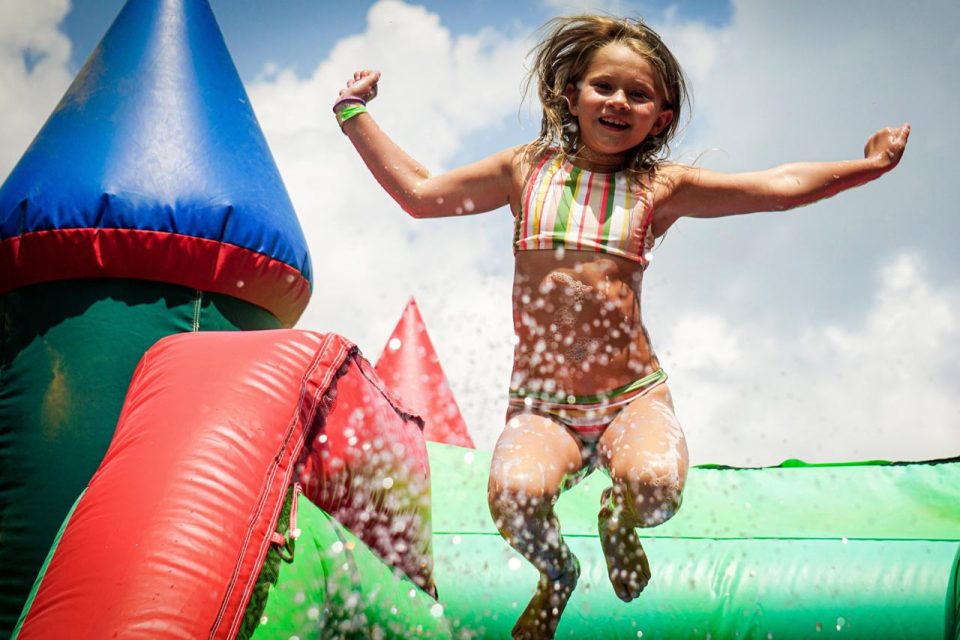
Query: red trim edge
[(196, 263)]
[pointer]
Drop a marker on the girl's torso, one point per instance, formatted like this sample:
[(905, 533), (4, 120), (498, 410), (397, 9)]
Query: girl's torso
[(582, 243)]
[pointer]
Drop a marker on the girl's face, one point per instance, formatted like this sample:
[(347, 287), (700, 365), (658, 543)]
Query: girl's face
[(617, 103)]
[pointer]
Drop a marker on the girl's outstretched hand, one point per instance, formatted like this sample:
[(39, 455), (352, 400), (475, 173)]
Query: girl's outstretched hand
[(363, 85), (887, 145)]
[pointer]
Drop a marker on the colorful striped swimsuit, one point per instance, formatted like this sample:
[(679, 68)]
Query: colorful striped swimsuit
[(566, 206)]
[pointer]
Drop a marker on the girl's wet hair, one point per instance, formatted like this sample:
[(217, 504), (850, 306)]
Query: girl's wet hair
[(561, 59)]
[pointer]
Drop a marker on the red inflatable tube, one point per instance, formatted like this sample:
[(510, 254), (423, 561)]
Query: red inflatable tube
[(170, 536)]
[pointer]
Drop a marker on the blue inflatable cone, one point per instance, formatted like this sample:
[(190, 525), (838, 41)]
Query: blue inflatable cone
[(148, 204), (153, 166)]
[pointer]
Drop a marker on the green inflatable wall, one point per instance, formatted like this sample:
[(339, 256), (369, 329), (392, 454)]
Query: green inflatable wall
[(336, 587), (67, 351), (864, 550)]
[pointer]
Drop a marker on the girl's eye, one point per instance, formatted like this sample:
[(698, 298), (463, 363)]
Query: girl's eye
[(639, 96), (602, 86)]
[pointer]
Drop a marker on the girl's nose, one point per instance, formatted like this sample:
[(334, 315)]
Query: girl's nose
[(617, 99)]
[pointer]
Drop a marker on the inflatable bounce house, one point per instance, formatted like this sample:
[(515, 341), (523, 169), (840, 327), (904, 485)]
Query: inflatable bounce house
[(177, 462)]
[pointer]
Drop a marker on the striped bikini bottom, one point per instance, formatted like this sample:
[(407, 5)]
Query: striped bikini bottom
[(586, 416)]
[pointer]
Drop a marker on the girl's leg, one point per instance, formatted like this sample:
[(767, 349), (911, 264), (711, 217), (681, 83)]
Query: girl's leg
[(533, 461), (645, 452)]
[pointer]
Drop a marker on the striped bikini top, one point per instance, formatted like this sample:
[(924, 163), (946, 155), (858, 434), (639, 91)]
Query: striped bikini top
[(565, 206)]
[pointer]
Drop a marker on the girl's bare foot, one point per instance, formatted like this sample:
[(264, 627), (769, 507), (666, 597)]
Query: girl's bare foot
[(627, 562), (540, 619)]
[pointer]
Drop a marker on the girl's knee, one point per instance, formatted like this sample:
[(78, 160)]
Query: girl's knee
[(660, 474), (521, 490)]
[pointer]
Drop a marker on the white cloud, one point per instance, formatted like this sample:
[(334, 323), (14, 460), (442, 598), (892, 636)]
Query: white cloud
[(885, 388), (778, 339), (34, 56), (694, 44), (751, 79), (779, 343), (436, 91)]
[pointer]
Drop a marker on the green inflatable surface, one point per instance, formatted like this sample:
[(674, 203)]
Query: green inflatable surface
[(798, 551), (336, 587)]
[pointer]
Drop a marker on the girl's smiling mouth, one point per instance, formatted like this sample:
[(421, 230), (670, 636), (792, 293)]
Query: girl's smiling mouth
[(614, 123)]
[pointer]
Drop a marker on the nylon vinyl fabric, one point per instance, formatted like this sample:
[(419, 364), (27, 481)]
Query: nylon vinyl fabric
[(154, 153)]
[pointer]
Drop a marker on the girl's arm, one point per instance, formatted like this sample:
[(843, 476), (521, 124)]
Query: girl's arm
[(700, 193), (475, 188)]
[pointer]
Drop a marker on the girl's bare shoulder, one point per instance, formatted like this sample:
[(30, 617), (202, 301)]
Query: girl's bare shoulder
[(662, 184), (526, 158)]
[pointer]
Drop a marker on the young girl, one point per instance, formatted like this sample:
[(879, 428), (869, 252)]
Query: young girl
[(590, 196)]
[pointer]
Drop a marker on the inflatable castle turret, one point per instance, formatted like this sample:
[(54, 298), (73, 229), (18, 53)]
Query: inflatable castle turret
[(148, 205)]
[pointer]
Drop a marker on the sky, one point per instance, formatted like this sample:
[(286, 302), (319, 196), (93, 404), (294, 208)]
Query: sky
[(828, 333)]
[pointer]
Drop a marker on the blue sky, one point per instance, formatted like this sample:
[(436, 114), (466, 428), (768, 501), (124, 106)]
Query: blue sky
[(826, 333), (310, 28)]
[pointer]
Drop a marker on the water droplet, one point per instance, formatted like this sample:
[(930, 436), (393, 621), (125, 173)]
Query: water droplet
[(239, 284), (336, 547), (436, 610), (263, 619), (468, 204), (844, 540), (387, 482), (412, 593), (313, 612), (394, 344), (468, 457), (841, 621), (456, 540), (514, 564), (639, 634)]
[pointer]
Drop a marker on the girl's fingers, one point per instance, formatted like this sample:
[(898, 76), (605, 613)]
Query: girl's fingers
[(363, 84), (904, 133)]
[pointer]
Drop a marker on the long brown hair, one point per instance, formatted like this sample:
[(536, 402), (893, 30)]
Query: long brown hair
[(561, 59)]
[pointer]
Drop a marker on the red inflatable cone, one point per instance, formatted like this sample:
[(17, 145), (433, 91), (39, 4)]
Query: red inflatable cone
[(410, 368)]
